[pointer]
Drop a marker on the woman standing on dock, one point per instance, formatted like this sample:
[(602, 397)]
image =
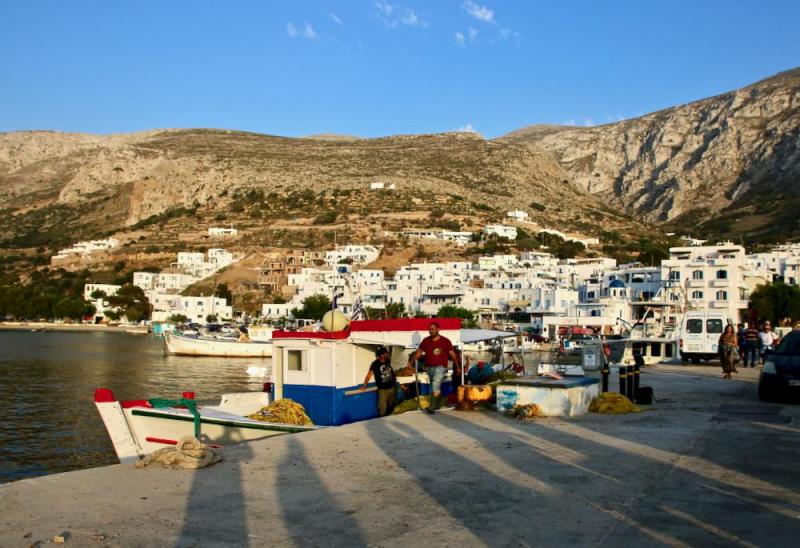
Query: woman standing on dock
[(728, 351)]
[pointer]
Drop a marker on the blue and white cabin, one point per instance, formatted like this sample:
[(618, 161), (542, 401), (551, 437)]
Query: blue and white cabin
[(324, 371)]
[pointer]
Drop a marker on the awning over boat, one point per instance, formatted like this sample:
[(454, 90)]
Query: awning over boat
[(477, 335)]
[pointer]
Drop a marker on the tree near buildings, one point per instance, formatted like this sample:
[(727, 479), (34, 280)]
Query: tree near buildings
[(451, 311), (178, 318), (73, 308), (776, 302), (131, 302), (314, 307), (395, 310)]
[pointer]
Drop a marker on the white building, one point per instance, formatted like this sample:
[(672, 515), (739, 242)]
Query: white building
[(517, 215), (203, 266), (501, 231), (358, 254), (709, 277), (382, 185), (196, 309), (222, 232), (276, 311), (163, 282), (457, 237), (100, 304), (85, 249), (569, 238)]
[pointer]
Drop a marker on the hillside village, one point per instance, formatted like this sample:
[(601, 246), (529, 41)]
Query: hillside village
[(532, 289)]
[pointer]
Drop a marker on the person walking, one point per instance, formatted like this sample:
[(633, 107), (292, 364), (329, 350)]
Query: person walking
[(728, 351), (751, 345), (385, 381), (435, 350), (740, 332), (768, 339)]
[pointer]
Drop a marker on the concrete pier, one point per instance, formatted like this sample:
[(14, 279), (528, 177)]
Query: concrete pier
[(710, 466)]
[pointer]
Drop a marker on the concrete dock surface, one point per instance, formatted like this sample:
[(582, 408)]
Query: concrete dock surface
[(707, 466)]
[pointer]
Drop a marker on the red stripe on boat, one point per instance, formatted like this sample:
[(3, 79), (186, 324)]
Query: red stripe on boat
[(104, 395), (174, 442), (405, 324), (401, 324), (333, 335), (135, 403)]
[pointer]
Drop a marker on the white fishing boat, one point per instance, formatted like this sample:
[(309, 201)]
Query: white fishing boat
[(182, 345), (137, 428)]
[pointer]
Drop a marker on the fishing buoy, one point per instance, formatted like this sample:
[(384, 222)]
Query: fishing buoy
[(333, 320)]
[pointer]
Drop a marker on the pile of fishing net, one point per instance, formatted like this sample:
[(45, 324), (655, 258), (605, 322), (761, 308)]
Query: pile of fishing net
[(188, 454), (283, 411), (525, 412), (612, 403), (411, 405), (501, 376)]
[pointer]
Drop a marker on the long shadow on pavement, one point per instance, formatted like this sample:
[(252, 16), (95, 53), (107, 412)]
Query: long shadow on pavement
[(495, 506), (695, 504), (310, 511), (217, 491)]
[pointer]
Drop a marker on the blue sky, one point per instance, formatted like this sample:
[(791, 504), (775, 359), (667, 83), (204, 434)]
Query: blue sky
[(376, 68)]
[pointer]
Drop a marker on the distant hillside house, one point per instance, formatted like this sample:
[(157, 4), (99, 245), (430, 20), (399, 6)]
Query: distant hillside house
[(357, 254), (459, 238), (517, 214), (85, 249), (567, 238), (276, 311), (501, 231), (222, 232), (381, 185)]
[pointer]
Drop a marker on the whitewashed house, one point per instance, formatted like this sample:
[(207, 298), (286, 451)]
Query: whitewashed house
[(358, 254), (501, 231), (100, 304), (222, 232)]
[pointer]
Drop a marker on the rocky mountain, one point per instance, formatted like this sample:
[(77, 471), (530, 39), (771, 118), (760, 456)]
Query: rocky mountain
[(726, 166), (54, 184)]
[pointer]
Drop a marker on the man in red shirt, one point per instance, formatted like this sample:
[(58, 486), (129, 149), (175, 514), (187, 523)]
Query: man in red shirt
[(437, 350)]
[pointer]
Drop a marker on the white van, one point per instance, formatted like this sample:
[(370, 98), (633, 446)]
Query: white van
[(700, 335)]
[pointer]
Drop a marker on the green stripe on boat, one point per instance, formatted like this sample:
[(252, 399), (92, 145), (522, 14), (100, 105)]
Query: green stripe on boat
[(222, 422)]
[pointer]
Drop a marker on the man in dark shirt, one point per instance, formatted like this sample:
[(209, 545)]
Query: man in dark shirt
[(385, 381), (437, 350), (751, 343)]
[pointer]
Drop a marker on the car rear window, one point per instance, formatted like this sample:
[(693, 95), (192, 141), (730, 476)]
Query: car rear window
[(714, 326), (694, 326), (790, 344)]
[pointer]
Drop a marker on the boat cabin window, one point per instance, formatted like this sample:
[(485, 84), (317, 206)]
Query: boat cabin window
[(694, 326), (295, 360), (714, 326)]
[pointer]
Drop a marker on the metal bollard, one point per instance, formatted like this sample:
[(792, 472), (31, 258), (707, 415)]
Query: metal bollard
[(636, 370), (629, 390), (623, 379), (605, 373)]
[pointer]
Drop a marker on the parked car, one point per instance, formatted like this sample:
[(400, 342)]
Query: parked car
[(780, 375)]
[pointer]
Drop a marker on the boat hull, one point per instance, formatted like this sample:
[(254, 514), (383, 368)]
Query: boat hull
[(136, 429), (189, 346)]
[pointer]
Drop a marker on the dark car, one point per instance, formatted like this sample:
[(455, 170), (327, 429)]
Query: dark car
[(780, 375)]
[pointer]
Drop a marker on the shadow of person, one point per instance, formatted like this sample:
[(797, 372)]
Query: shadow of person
[(217, 491), (311, 513)]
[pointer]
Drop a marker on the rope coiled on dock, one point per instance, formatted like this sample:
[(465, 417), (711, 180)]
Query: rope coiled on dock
[(188, 454)]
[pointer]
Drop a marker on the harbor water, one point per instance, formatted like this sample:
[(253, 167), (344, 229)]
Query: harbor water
[(48, 421)]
